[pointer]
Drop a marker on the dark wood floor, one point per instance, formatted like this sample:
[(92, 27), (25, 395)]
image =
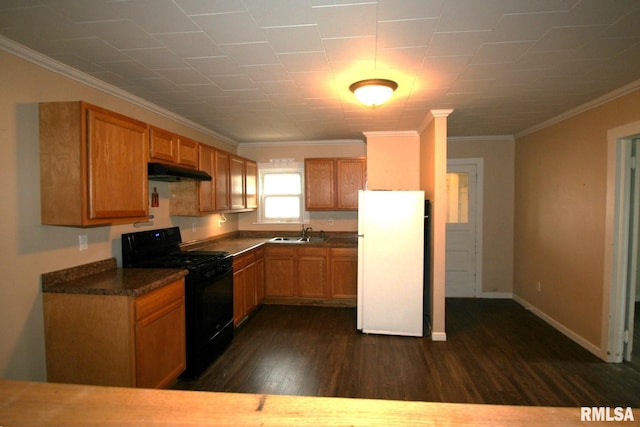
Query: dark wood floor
[(496, 353)]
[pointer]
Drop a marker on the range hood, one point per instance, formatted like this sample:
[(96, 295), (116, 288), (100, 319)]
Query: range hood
[(169, 173)]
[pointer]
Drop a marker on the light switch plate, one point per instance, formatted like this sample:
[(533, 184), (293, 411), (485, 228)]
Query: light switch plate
[(83, 241)]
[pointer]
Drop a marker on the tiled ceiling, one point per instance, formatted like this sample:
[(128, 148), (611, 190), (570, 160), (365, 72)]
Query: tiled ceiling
[(279, 70)]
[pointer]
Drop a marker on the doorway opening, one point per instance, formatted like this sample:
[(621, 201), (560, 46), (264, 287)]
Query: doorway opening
[(623, 222), (463, 261)]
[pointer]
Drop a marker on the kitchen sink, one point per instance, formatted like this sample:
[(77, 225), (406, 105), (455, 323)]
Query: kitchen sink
[(281, 239), (286, 239)]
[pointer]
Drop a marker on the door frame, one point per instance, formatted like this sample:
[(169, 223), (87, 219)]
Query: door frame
[(478, 162), (617, 290)]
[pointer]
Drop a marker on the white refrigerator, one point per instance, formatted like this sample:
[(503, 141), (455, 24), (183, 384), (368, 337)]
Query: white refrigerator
[(390, 262)]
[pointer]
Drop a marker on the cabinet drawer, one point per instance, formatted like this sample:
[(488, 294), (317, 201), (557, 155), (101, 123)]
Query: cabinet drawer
[(250, 257), (279, 251), (312, 252), (158, 299), (344, 252), (239, 262)]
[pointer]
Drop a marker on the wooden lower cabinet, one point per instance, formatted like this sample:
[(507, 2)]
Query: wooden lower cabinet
[(343, 273), (312, 272), (311, 275), (248, 284), (279, 271), (160, 336), (116, 340)]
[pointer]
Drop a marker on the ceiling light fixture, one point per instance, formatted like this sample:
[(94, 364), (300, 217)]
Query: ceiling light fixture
[(373, 92)]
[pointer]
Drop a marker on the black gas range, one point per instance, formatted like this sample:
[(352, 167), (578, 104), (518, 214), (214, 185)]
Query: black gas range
[(208, 290)]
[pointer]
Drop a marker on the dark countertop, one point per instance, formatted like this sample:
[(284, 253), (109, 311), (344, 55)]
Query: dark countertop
[(234, 245), (238, 245), (104, 278)]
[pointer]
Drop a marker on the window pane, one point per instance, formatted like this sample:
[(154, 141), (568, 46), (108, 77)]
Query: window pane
[(282, 207), (458, 198), (282, 183)]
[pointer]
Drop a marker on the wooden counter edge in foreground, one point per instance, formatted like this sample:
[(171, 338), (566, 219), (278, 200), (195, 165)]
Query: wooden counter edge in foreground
[(47, 404)]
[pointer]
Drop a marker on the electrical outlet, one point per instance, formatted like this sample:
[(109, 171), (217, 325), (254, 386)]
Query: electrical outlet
[(193, 227), (83, 242), (538, 286), (330, 221)]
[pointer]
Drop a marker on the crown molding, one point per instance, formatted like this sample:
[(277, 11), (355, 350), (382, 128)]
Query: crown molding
[(291, 143), (509, 138), (391, 133), (64, 70), (618, 93), (432, 115)]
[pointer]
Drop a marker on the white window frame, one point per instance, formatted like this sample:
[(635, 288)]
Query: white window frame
[(281, 167)]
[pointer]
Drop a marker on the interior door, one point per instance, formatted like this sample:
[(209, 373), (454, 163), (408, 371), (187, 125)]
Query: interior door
[(633, 253), (461, 230)]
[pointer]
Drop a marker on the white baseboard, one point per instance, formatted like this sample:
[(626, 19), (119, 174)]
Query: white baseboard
[(438, 336), (600, 353), (496, 295)]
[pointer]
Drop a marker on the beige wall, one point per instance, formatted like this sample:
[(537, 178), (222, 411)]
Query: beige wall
[(28, 248), (498, 155), (393, 160), (433, 172), (326, 221), (560, 203)]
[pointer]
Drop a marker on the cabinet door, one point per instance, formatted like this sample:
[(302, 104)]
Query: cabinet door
[(236, 176), (187, 152), (344, 273), (222, 180), (319, 176), (206, 194), (251, 184), (238, 294), (259, 276), (250, 288), (312, 272), (160, 336), (279, 272), (117, 153), (351, 178), (163, 145)]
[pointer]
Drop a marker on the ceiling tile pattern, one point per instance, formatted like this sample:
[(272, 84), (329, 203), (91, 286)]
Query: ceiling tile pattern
[(279, 70)]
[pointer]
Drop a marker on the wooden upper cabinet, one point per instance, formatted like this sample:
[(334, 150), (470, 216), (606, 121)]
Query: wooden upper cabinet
[(251, 184), (222, 180), (206, 189), (236, 182), (233, 186), (187, 152), (118, 183), (319, 182), (351, 178), (167, 147), (93, 166), (333, 183), (162, 145)]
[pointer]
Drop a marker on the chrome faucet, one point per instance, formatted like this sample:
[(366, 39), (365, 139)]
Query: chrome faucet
[(305, 232)]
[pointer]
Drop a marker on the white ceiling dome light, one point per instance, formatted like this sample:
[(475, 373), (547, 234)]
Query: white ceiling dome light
[(373, 92)]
